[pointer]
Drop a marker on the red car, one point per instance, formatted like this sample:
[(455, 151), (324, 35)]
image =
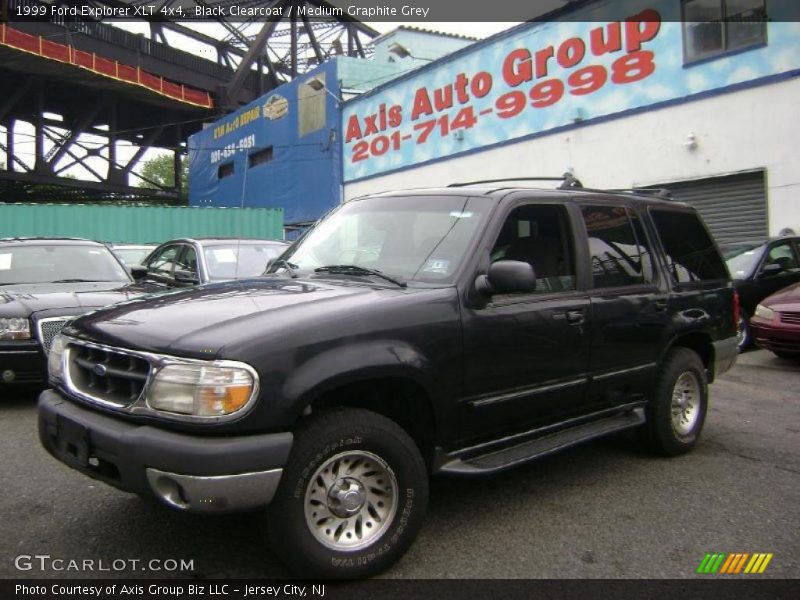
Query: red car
[(776, 322)]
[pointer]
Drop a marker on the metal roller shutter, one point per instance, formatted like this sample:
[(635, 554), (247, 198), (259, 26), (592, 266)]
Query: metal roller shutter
[(734, 207)]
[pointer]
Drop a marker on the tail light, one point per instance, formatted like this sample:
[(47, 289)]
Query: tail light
[(736, 308)]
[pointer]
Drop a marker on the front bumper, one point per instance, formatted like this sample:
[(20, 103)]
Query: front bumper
[(187, 472), (22, 363), (784, 338)]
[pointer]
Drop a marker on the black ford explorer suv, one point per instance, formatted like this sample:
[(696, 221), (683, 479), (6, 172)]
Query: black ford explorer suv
[(462, 331)]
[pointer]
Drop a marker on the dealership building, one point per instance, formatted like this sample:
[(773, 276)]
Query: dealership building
[(696, 96)]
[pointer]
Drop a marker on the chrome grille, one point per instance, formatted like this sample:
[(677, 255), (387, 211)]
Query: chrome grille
[(107, 375), (790, 317), (48, 329)]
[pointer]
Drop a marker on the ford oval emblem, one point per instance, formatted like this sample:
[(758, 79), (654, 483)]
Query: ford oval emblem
[(100, 370)]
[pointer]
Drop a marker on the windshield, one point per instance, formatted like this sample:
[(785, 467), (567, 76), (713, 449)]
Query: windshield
[(240, 260), (43, 263), (133, 256), (741, 258), (415, 238)]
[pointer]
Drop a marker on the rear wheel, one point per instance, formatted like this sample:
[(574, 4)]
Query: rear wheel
[(352, 497), (743, 338), (677, 411)]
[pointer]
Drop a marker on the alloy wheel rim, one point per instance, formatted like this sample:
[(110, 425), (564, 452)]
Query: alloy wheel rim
[(741, 333), (685, 407), (350, 500)]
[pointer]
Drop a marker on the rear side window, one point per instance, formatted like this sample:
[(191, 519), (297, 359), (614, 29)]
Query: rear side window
[(690, 251), (619, 253)]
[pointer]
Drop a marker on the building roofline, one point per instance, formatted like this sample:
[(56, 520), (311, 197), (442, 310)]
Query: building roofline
[(458, 36)]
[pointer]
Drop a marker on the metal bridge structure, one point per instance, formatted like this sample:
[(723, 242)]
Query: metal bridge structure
[(80, 95)]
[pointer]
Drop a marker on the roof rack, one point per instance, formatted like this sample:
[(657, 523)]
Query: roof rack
[(659, 192), (568, 181)]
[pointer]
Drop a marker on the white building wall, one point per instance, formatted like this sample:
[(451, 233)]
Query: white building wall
[(755, 128)]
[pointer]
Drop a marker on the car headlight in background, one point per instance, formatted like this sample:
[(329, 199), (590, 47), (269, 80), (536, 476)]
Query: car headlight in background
[(200, 390), (762, 312), (15, 329), (55, 358)]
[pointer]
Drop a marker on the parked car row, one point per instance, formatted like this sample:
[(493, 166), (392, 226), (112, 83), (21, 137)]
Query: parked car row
[(759, 269), (44, 282), (775, 324)]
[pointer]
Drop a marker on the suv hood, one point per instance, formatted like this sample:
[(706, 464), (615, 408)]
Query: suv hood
[(199, 322), (27, 300)]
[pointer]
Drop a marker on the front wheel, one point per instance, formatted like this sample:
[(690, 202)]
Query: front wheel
[(677, 411), (352, 496)]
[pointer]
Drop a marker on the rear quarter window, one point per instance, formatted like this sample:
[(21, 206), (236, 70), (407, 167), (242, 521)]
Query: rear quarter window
[(689, 251)]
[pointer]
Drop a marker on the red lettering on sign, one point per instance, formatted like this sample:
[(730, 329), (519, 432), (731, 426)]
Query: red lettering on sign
[(395, 116), (517, 67), (641, 28), (633, 67), (353, 129), (422, 104), (605, 43), (571, 52), (587, 80), (370, 125), (542, 56), (461, 88), (443, 97), (481, 84), (546, 93)]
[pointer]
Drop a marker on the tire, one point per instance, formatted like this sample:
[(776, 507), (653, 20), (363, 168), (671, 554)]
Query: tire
[(379, 501), (677, 411), (743, 337)]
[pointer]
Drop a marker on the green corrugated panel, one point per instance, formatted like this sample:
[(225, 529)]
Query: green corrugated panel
[(137, 224)]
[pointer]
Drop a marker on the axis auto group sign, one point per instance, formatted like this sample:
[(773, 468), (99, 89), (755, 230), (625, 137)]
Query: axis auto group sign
[(535, 79)]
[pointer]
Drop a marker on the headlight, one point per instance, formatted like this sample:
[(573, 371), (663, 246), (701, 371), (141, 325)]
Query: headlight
[(15, 329), (55, 359), (762, 312), (200, 390)]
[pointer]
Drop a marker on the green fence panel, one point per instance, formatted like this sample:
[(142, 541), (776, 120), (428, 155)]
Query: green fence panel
[(137, 224)]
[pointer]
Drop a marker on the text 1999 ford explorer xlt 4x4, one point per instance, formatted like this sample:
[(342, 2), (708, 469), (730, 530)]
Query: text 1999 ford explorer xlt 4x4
[(462, 330)]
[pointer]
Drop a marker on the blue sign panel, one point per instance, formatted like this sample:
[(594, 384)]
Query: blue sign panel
[(279, 151), (543, 76)]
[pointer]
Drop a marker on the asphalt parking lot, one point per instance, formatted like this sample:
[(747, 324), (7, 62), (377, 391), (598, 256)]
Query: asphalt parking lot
[(603, 510)]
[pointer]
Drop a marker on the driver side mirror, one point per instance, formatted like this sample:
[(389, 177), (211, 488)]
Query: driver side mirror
[(138, 272), (507, 277)]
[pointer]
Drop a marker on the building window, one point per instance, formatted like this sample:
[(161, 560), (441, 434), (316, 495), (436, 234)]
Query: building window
[(715, 27), (225, 170), (260, 157)]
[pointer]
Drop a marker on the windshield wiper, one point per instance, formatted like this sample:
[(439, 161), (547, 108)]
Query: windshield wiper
[(290, 267), (78, 281), (356, 270)]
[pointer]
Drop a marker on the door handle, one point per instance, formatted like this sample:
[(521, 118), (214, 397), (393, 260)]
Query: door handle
[(660, 305), (575, 317)]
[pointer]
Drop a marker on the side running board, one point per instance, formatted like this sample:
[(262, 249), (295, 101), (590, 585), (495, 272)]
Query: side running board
[(511, 456)]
